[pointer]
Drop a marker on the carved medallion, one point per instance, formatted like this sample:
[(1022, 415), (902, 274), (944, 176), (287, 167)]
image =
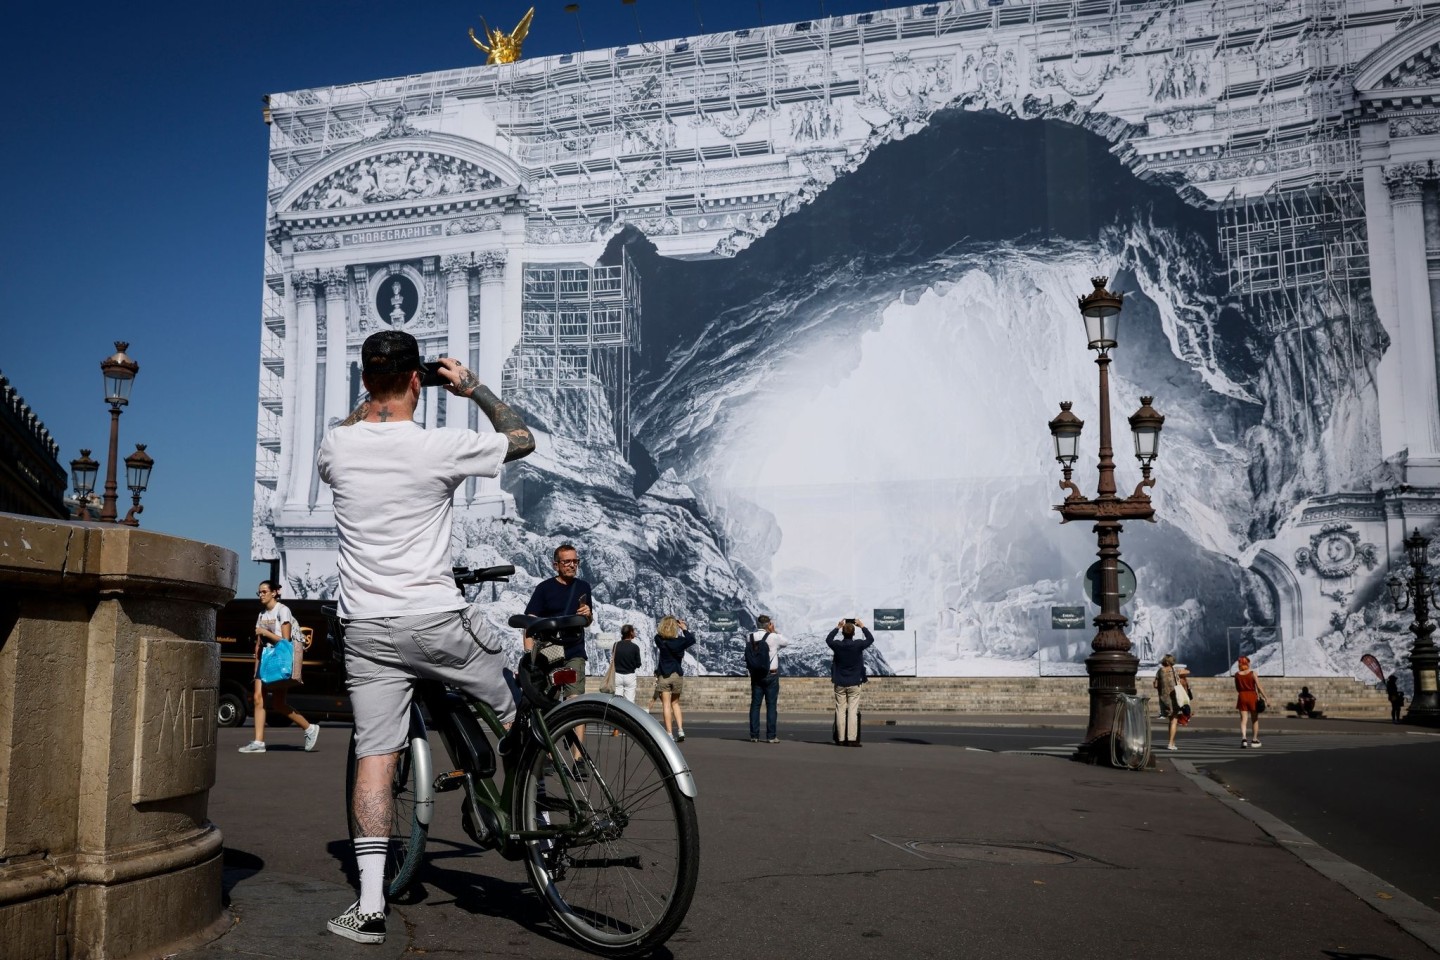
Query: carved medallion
[(1335, 552)]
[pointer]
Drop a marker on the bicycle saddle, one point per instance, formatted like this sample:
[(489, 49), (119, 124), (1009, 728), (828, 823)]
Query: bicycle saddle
[(534, 625)]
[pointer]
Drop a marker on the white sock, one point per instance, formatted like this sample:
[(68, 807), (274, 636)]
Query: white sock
[(370, 857)]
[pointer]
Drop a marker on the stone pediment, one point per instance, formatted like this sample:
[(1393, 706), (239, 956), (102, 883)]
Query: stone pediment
[(420, 169), (411, 174), (1408, 63)]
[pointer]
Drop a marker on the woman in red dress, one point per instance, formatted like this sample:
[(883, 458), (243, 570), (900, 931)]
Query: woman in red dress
[(1251, 695)]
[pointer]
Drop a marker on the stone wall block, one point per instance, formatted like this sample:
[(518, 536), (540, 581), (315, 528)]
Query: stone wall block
[(108, 678)]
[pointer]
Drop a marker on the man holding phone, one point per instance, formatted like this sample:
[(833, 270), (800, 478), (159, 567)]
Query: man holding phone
[(565, 595), (847, 673), (394, 484)]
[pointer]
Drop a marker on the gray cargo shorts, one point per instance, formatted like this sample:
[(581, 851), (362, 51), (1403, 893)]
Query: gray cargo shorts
[(384, 657)]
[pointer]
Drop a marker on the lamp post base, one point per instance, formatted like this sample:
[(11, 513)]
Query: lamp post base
[(1425, 666), (1111, 672)]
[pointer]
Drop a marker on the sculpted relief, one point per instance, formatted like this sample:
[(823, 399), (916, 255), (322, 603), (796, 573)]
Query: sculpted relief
[(402, 175)]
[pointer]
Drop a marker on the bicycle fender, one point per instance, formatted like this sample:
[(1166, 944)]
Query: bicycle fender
[(423, 776), (674, 759)]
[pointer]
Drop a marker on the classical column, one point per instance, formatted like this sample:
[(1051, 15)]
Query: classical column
[(490, 266), (491, 269), (288, 395), (337, 371), (302, 455), (457, 326), (1416, 322)]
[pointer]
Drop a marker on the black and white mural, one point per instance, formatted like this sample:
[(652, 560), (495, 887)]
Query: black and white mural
[(790, 309)]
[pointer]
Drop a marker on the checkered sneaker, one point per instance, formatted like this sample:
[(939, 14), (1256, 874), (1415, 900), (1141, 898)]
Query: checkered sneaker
[(360, 927)]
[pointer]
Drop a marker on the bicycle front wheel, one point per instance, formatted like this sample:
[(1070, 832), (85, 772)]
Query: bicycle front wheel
[(621, 883), (412, 800)]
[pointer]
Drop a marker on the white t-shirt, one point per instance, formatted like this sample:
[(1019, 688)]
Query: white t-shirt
[(275, 619), (393, 485), (776, 642)]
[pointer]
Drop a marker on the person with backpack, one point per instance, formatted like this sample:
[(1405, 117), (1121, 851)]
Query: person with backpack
[(762, 662), (847, 673)]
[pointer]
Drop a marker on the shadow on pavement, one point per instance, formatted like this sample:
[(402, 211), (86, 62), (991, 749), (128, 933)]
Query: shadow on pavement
[(237, 866)]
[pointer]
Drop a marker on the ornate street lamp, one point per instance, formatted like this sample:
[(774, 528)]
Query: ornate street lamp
[(1419, 589), (119, 373), (137, 477), (83, 471), (1111, 667)]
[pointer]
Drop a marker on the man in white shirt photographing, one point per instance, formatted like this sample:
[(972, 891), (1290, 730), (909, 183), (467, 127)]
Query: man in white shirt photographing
[(405, 619)]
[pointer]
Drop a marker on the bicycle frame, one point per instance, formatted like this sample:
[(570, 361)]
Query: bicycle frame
[(449, 711)]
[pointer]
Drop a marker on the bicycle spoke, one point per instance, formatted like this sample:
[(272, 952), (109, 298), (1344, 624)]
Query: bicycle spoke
[(623, 877)]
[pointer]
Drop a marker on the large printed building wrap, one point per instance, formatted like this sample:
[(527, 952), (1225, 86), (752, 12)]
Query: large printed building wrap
[(789, 309)]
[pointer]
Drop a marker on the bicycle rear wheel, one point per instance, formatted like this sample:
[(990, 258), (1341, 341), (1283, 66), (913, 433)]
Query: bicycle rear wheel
[(411, 791), (621, 886)]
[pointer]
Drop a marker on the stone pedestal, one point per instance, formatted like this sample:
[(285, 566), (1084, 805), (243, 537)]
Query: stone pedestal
[(108, 677)]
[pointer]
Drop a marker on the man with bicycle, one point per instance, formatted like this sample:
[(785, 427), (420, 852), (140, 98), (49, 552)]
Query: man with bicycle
[(404, 617)]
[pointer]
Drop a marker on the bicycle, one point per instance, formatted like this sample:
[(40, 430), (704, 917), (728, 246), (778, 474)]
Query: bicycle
[(595, 799)]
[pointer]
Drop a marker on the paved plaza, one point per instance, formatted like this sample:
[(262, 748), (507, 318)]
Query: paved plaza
[(942, 837)]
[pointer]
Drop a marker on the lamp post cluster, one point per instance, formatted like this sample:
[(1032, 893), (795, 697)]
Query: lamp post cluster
[(1111, 667), (120, 373), (1419, 589)]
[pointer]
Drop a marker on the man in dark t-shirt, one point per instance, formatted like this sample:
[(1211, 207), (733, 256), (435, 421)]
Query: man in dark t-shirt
[(565, 595)]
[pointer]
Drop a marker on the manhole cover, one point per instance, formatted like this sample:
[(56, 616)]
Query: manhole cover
[(989, 852)]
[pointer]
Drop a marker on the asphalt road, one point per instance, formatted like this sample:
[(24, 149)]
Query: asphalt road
[(930, 842)]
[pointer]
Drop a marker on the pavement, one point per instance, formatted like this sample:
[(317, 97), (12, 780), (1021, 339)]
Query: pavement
[(902, 848)]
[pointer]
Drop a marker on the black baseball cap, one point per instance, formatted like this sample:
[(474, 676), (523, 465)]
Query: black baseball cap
[(390, 351)]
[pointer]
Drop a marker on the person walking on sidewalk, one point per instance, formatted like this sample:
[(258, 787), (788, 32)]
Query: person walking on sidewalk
[(1250, 701), (672, 639), (1166, 682), (847, 673), (405, 619), (764, 645), (276, 624)]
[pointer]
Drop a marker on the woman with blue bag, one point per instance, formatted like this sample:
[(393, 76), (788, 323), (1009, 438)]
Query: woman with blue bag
[(278, 652)]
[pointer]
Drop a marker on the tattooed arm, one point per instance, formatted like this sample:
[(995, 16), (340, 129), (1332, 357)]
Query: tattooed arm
[(357, 414), (502, 416)]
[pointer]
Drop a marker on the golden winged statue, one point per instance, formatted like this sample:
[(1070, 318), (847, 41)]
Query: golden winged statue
[(503, 47)]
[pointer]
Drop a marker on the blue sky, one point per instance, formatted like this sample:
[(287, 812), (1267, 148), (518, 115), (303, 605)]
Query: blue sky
[(135, 193)]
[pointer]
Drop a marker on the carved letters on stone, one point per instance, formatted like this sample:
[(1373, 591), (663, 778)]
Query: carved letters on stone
[(175, 718), (1335, 552)]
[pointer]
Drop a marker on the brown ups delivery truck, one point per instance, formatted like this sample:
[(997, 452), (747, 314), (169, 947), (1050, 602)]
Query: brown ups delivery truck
[(321, 694)]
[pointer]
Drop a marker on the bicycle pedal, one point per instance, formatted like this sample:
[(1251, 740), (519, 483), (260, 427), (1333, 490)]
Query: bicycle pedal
[(453, 780)]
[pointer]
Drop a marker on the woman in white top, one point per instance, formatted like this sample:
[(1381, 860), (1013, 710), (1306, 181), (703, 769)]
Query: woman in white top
[(274, 624)]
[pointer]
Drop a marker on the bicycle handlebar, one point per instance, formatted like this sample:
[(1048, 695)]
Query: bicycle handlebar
[(465, 577)]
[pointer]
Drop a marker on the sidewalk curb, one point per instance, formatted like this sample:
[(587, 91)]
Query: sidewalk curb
[(1412, 916)]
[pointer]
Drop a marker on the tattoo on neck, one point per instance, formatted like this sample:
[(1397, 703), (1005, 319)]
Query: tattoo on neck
[(384, 414)]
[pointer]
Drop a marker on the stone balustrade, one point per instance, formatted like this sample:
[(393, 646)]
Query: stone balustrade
[(108, 673)]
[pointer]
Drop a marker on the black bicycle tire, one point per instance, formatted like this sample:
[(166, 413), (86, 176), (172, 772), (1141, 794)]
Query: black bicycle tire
[(687, 825), (400, 868)]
